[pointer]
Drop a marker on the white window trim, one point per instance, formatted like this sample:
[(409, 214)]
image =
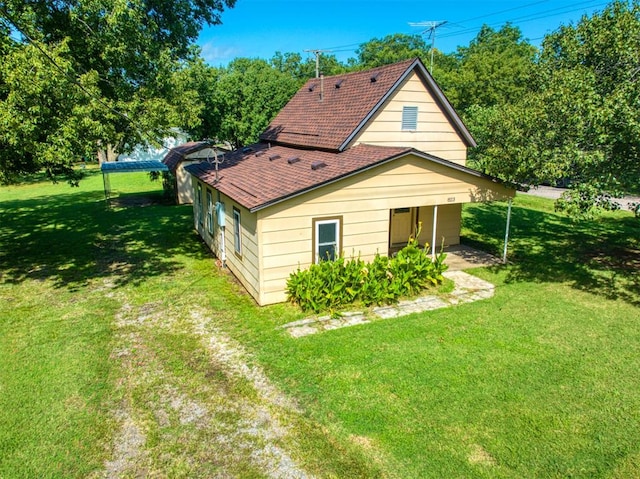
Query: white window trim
[(237, 231), (209, 211), (318, 223), (199, 203)]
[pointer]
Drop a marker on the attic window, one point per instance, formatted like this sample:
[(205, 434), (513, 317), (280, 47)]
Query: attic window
[(260, 153), (316, 165), (312, 87), (293, 160), (374, 77), (409, 118), (274, 157), (339, 83)]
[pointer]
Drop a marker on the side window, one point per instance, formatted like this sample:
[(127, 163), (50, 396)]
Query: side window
[(409, 118), (237, 238), (199, 203), (209, 211), (326, 239)]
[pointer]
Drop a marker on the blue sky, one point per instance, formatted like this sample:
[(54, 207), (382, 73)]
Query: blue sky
[(260, 28)]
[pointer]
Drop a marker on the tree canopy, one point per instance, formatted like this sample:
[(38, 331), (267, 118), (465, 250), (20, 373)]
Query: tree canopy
[(578, 118), (249, 93), (494, 69), (78, 75), (105, 68), (390, 49)]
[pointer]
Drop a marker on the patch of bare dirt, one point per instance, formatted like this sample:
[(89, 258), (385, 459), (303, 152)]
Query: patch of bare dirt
[(198, 429), (480, 456)]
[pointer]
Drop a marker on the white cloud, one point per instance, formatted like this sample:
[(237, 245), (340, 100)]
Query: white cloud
[(219, 55)]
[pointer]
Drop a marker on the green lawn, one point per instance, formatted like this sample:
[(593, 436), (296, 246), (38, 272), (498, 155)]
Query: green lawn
[(118, 336)]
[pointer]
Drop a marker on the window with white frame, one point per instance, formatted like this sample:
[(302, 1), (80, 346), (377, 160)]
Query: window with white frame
[(199, 203), (209, 211), (409, 118), (237, 237), (326, 239)]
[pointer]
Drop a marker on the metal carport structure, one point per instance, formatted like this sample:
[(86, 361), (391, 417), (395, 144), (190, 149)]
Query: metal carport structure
[(140, 166)]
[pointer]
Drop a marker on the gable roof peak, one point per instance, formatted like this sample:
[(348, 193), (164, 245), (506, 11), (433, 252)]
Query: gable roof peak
[(326, 111)]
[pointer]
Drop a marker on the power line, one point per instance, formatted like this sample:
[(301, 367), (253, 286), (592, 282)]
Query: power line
[(431, 28), (502, 11), (546, 13), (530, 17)]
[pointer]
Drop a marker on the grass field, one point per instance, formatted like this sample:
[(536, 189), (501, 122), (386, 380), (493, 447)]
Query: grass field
[(125, 352)]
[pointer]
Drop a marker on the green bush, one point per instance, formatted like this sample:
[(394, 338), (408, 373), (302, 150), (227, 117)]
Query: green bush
[(330, 285)]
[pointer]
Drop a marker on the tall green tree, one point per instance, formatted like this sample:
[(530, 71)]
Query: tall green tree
[(302, 70), (43, 114), (130, 50), (248, 94), (579, 118), (494, 69), (390, 49), (598, 62), (201, 79)]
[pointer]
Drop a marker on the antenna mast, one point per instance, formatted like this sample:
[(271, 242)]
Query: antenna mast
[(317, 53), (431, 28), (216, 160)]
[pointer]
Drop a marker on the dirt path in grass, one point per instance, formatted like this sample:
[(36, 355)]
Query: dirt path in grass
[(191, 404)]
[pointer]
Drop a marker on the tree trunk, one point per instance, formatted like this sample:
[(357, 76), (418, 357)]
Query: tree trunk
[(107, 154)]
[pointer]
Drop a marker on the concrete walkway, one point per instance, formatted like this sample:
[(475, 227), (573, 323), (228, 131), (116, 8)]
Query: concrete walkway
[(467, 288), (460, 257)]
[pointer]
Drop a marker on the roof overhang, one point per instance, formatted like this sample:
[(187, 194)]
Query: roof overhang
[(203, 172), (414, 152)]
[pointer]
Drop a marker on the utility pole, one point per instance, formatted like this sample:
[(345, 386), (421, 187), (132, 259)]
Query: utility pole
[(431, 28), (317, 53)]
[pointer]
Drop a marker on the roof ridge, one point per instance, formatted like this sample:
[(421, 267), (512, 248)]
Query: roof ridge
[(367, 70)]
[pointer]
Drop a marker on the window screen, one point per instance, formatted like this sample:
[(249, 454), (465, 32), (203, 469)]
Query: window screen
[(237, 240), (209, 212), (327, 237), (199, 203)]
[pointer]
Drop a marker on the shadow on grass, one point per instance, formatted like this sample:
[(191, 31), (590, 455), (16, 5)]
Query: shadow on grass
[(600, 256), (73, 238)]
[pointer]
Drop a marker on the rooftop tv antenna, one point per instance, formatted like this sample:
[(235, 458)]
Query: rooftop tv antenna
[(317, 53), (431, 30), (216, 159)]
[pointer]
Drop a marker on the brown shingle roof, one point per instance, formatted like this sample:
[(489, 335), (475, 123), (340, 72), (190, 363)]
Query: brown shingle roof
[(177, 153), (261, 175), (310, 122), (326, 113), (266, 175)]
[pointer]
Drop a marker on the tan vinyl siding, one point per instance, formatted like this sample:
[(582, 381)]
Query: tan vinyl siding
[(184, 192), (364, 202), (246, 266), (403, 183), (448, 227), (434, 134)]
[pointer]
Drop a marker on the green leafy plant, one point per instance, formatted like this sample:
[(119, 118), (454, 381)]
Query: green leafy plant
[(330, 285)]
